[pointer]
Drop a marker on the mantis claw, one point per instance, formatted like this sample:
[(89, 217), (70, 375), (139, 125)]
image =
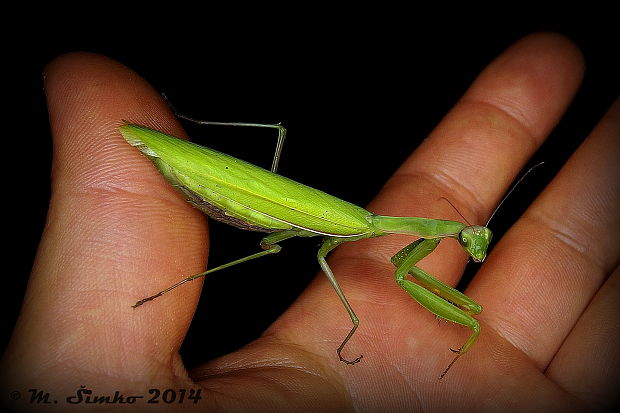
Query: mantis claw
[(451, 363), (144, 300), (357, 360)]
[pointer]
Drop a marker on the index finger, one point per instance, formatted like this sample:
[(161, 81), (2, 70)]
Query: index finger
[(482, 143), (479, 147)]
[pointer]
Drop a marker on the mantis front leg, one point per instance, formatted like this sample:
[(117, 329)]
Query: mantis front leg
[(440, 299)]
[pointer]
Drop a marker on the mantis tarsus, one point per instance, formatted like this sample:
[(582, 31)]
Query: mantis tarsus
[(252, 198)]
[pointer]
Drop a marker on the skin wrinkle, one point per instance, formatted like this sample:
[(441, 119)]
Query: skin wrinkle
[(558, 231), (359, 301), (109, 204), (106, 177), (513, 331), (447, 184), (259, 371), (444, 180), (262, 362), (126, 200), (113, 369), (417, 402), (71, 341), (511, 334), (443, 187), (115, 195), (502, 111), (261, 367), (502, 105)]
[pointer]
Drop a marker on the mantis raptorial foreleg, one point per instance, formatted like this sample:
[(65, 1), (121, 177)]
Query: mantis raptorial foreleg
[(437, 297), (268, 244)]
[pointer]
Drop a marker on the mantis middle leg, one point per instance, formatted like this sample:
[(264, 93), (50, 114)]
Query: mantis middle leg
[(329, 244)]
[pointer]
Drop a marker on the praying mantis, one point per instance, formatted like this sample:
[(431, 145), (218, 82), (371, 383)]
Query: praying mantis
[(252, 198)]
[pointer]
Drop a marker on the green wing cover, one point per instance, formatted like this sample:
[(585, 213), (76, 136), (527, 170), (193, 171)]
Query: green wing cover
[(245, 191)]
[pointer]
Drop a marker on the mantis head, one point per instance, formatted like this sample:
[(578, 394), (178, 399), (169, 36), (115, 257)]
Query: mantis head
[(475, 239)]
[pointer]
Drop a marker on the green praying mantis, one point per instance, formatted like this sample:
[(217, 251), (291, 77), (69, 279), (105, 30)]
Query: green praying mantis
[(252, 198)]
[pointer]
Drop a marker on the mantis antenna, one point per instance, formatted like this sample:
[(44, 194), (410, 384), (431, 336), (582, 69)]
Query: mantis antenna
[(456, 209), (503, 199), (512, 189)]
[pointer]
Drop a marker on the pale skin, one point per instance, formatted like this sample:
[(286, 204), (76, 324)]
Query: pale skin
[(550, 287)]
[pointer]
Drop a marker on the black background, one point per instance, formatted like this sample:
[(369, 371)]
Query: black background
[(356, 102)]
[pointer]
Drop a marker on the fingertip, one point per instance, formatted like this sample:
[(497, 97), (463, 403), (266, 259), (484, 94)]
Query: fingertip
[(556, 52), (65, 62), (554, 42), (532, 81)]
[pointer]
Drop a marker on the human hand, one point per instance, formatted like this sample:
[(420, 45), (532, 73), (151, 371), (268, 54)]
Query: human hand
[(550, 320)]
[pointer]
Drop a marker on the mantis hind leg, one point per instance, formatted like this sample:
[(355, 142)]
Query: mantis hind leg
[(437, 297), (281, 130), (281, 134), (268, 244)]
